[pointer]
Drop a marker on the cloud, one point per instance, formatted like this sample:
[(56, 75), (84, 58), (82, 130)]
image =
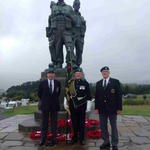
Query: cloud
[(118, 35)]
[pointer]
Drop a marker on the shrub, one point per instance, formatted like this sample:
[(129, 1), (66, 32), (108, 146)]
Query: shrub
[(144, 97)]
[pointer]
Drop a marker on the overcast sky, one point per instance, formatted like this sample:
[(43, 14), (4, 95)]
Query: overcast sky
[(118, 35)]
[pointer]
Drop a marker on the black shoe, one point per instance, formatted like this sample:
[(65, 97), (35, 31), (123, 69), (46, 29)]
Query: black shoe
[(74, 140), (42, 142), (82, 142), (114, 148), (105, 146), (53, 143)]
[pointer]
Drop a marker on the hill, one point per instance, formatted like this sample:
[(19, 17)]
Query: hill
[(2, 91), (25, 90)]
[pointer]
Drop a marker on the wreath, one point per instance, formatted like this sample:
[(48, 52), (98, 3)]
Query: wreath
[(63, 123), (71, 135), (60, 136), (95, 134), (91, 122), (37, 135)]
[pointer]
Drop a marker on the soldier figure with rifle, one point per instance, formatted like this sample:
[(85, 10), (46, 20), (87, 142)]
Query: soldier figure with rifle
[(59, 32)]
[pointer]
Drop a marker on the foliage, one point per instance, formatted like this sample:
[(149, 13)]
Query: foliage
[(135, 89), (127, 88), (26, 90), (144, 97)]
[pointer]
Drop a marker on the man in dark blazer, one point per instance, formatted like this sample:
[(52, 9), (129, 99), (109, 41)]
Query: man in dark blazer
[(48, 92), (108, 102)]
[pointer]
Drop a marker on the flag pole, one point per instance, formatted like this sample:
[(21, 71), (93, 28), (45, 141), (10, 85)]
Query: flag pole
[(67, 86)]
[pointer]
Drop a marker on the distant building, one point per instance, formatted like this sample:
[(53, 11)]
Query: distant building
[(24, 102), (10, 104)]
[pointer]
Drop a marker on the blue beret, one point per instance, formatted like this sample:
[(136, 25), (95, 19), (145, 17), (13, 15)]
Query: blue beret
[(104, 68)]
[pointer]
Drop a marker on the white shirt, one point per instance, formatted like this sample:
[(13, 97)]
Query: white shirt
[(52, 81), (107, 80)]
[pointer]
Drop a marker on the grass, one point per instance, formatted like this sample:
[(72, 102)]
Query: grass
[(139, 110), (20, 110)]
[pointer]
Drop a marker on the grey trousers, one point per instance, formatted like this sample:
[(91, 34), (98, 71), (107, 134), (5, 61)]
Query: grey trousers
[(104, 128)]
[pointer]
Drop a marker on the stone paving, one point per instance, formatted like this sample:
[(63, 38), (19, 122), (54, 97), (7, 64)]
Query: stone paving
[(134, 134)]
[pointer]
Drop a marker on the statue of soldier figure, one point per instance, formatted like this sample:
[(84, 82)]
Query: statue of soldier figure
[(63, 29), (78, 32)]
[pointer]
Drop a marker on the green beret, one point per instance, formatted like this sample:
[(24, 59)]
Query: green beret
[(50, 70), (104, 68), (78, 70)]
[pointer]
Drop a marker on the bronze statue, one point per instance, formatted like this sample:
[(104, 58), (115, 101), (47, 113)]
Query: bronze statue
[(78, 32), (65, 27)]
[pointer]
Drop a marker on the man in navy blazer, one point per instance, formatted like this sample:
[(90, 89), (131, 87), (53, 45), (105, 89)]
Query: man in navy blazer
[(108, 102), (48, 92)]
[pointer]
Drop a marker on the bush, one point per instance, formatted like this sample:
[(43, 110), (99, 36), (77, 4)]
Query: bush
[(144, 97)]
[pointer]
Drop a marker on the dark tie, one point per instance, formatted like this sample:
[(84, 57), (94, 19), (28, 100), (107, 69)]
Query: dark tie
[(50, 86), (104, 84)]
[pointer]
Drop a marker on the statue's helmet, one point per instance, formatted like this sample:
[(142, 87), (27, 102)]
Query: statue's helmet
[(76, 4), (52, 4), (61, 0)]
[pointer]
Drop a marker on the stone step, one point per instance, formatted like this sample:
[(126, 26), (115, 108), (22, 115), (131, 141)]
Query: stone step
[(31, 125), (38, 115), (61, 115)]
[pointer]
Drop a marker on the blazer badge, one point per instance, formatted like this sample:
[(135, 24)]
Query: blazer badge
[(113, 91)]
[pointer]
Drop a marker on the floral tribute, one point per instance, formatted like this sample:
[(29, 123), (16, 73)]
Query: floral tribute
[(64, 123)]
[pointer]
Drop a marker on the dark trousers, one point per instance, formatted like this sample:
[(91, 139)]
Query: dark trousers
[(44, 126), (78, 123), (104, 128)]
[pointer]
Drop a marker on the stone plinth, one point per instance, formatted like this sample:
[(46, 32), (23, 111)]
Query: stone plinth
[(29, 125), (38, 115), (33, 124)]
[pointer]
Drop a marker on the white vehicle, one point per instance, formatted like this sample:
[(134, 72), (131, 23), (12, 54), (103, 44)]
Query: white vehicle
[(11, 104)]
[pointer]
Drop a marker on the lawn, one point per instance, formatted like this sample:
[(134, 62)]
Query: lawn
[(141, 110), (20, 110)]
